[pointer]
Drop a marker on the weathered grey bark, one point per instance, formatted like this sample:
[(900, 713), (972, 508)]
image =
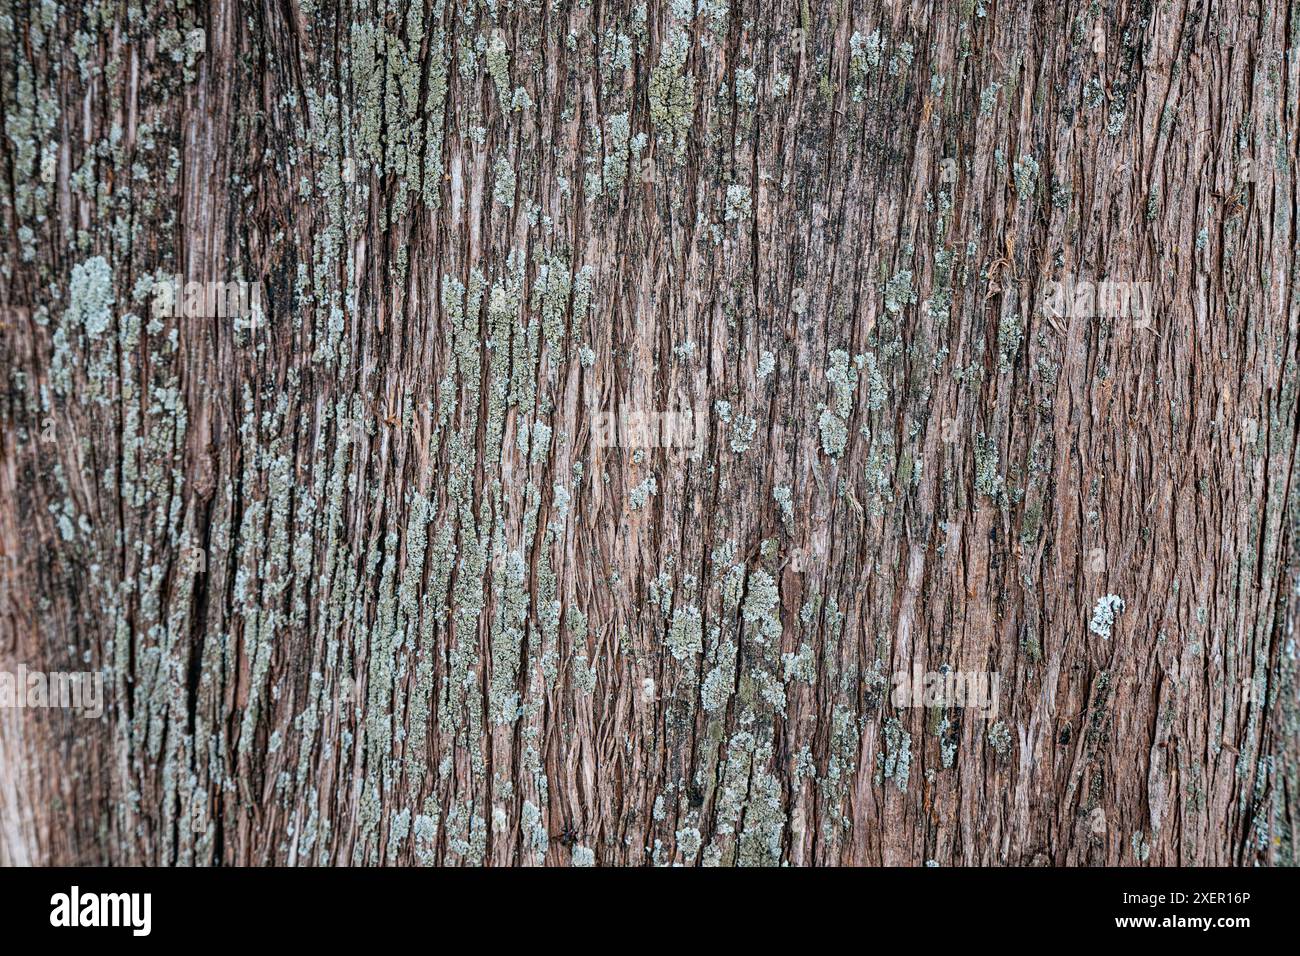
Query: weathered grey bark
[(435, 622)]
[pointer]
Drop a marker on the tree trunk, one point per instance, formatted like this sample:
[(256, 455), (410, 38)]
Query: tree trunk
[(628, 396)]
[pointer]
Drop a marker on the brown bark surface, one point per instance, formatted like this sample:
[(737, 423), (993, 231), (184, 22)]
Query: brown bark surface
[(368, 585)]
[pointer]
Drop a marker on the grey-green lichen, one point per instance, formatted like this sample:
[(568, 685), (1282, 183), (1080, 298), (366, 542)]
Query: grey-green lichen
[(801, 666), (1025, 172), (511, 596), (1103, 615), (1000, 739), (738, 205), (835, 433), (719, 683), (988, 479), (503, 188), (643, 492), (896, 762), (672, 92), (89, 313), (833, 421), (743, 430), (498, 65), (865, 53), (784, 499), (689, 841), (685, 634), (898, 291), (762, 601), (1010, 333)]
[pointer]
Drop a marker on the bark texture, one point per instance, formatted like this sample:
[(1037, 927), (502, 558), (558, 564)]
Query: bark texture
[(365, 581)]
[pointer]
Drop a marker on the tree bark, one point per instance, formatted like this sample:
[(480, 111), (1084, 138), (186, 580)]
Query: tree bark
[(374, 580)]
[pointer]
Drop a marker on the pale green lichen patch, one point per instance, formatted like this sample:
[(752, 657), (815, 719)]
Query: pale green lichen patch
[(503, 188), (896, 762), (551, 297), (91, 296), (497, 59), (672, 93), (89, 312), (507, 639), (877, 390), (784, 498), (800, 666), (1025, 172), (719, 683), (685, 634), (1000, 739), (1104, 614), (620, 148), (988, 479), (1010, 334), (865, 54), (833, 421), (643, 492), (834, 432), (743, 430), (689, 841), (738, 205), (762, 601), (898, 291)]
